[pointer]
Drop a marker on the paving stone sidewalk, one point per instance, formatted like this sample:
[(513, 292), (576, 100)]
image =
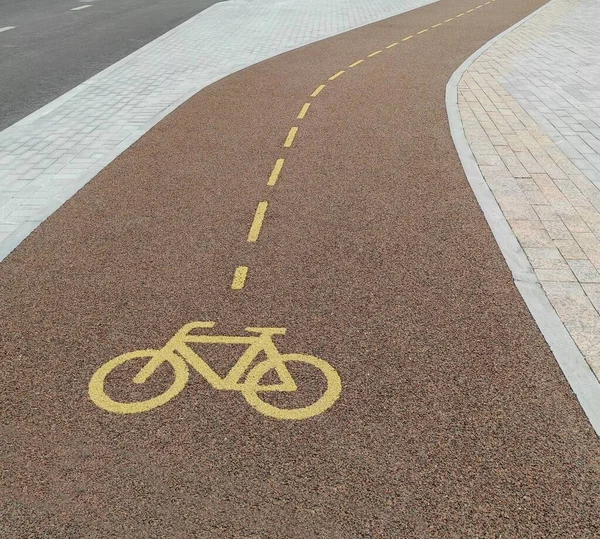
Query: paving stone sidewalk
[(46, 157), (530, 107)]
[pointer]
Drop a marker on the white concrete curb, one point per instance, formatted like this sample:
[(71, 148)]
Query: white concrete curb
[(584, 383)]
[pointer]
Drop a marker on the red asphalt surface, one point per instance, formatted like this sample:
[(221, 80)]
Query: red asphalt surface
[(453, 420)]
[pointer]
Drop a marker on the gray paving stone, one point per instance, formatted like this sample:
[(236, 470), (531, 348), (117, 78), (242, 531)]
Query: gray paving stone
[(546, 95), (584, 270), (593, 292)]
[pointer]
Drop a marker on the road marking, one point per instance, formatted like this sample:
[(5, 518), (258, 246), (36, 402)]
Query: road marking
[(259, 216), (303, 111), (6, 28), (290, 138), (317, 91), (239, 277), (81, 7), (245, 376), (275, 174), (240, 274)]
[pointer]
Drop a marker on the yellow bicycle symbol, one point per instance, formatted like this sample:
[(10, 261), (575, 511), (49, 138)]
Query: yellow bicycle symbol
[(177, 352)]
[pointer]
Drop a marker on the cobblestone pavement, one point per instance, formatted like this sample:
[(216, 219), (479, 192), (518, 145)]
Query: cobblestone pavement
[(48, 156), (530, 106)]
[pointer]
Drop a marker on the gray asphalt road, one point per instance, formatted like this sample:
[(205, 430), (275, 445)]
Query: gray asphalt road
[(53, 49)]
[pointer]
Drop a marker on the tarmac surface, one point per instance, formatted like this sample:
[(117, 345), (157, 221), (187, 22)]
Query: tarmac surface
[(54, 48), (453, 417)]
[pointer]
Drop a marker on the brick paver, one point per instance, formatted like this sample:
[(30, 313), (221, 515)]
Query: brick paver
[(48, 156), (530, 107)]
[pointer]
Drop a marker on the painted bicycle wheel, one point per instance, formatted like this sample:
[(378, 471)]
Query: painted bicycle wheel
[(326, 401), (99, 396)]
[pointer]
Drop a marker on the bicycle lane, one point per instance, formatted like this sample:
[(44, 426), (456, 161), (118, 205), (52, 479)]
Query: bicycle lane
[(453, 417)]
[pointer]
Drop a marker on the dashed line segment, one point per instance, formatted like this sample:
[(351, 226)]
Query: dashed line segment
[(318, 90), (239, 277), (290, 138), (275, 173), (303, 111), (259, 216)]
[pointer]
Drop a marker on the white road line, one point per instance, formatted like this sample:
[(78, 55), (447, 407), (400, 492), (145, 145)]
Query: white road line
[(7, 28), (81, 7)]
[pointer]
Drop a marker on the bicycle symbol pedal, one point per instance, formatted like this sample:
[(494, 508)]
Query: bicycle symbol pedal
[(180, 356)]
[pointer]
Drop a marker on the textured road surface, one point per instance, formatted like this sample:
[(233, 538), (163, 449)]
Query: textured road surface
[(53, 49), (454, 419)]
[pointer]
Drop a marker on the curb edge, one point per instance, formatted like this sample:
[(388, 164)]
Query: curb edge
[(576, 370)]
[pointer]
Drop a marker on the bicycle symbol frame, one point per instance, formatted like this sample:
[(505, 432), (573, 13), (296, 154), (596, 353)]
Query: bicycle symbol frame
[(179, 355)]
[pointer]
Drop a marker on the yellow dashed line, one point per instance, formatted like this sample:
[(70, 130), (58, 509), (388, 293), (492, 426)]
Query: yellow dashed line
[(290, 138), (317, 91), (257, 222), (303, 111), (241, 272), (239, 277), (275, 173)]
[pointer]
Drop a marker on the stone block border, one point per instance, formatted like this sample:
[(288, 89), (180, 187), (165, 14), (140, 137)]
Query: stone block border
[(572, 362)]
